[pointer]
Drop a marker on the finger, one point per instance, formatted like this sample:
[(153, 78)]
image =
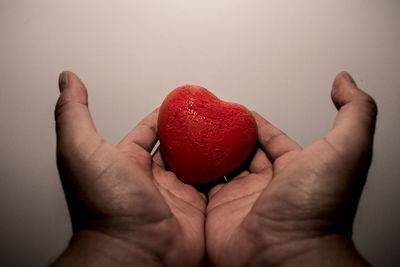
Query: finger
[(238, 173), (144, 134), (74, 124), (259, 162), (174, 189), (214, 190), (354, 126), (273, 141), (158, 159)]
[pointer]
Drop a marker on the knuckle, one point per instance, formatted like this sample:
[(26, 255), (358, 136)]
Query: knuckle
[(371, 104), (60, 107), (368, 104)]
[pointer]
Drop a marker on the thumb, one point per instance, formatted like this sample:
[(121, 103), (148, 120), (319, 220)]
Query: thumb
[(354, 126), (74, 124)]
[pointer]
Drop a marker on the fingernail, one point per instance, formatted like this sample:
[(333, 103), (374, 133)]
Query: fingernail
[(63, 80), (350, 79)]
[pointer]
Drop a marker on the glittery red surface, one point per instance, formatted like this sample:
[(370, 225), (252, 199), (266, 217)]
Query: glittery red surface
[(203, 138)]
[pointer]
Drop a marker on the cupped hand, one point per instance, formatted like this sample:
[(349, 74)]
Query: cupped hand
[(125, 206), (289, 201)]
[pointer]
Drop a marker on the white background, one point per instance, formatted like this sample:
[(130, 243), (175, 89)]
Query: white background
[(276, 57)]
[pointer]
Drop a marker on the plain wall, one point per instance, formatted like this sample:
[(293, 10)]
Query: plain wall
[(276, 57)]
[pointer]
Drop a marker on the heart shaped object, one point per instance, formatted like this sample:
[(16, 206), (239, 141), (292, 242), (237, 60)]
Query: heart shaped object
[(203, 138)]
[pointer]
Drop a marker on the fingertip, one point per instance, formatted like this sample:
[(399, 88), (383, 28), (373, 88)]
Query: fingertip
[(258, 118), (156, 111), (72, 88), (71, 113), (344, 78), (63, 80), (343, 89), (357, 113), (145, 133)]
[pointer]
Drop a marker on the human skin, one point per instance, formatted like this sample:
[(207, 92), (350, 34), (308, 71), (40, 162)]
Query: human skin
[(294, 206), (289, 206), (126, 208)]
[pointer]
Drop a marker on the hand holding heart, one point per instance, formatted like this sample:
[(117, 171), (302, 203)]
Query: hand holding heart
[(289, 205)]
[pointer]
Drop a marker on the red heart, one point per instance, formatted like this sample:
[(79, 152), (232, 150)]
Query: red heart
[(203, 138)]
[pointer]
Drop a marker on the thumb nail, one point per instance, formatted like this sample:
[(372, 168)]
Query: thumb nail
[(63, 80)]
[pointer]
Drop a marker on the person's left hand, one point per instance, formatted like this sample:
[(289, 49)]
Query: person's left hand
[(291, 206), (125, 206)]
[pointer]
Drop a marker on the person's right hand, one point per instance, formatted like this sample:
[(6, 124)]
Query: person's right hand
[(126, 208), (296, 206)]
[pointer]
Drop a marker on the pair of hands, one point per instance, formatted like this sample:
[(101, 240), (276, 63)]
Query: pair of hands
[(287, 206)]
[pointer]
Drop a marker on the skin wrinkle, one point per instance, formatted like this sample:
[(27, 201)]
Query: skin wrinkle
[(152, 127), (104, 171), (138, 157), (175, 196), (260, 168), (161, 255), (364, 101), (77, 149), (270, 216), (116, 183), (215, 190), (109, 163), (308, 186), (266, 169), (157, 164), (279, 239), (126, 246), (146, 127), (235, 199), (281, 162), (288, 151), (64, 103), (222, 186), (105, 227), (61, 107), (336, 154), (278, 246), (332, 147), (158, 257), (157, 159), (175, 205), (267, 217), (311, 196), (87, 144), (123, 237), (266, 143), (85, 158)]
